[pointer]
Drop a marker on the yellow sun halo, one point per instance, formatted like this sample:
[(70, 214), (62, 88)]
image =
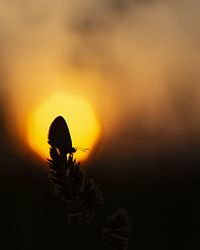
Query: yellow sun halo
[(83, 125)]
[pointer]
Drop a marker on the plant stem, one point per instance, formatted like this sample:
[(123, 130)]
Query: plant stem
[(98, 247)]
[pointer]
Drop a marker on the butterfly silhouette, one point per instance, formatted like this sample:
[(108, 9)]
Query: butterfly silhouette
[(59, 136)]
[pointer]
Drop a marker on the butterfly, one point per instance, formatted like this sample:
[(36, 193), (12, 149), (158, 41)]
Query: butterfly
[(59, 136)]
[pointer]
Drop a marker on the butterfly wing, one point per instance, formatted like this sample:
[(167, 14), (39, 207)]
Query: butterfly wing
[(59, 135)]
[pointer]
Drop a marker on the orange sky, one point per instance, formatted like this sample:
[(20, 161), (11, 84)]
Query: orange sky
[(136, 66)]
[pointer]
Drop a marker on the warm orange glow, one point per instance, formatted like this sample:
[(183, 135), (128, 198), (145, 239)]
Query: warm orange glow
[(83, 125)]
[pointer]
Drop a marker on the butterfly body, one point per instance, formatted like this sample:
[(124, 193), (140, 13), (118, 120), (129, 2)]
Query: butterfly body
[(59, 136)]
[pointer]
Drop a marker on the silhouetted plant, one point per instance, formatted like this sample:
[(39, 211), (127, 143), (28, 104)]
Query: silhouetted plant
[(72, 185), (115, 230)]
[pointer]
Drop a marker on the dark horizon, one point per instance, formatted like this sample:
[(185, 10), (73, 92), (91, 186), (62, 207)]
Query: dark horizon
[(164, 208)]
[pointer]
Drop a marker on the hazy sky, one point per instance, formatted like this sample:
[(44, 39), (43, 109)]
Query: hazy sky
[(137, 62)]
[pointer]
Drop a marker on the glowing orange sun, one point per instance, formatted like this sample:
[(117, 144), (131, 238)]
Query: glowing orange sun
[(79, 115)]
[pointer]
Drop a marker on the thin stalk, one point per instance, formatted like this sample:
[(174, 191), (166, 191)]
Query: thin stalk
[(96, 243)]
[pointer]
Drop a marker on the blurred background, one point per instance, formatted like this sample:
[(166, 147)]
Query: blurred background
[(137, 64)]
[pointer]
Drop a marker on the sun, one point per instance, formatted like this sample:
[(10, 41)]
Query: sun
[(79, 115)]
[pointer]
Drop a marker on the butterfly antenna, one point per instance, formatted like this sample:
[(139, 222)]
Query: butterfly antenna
[(82, 149)]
